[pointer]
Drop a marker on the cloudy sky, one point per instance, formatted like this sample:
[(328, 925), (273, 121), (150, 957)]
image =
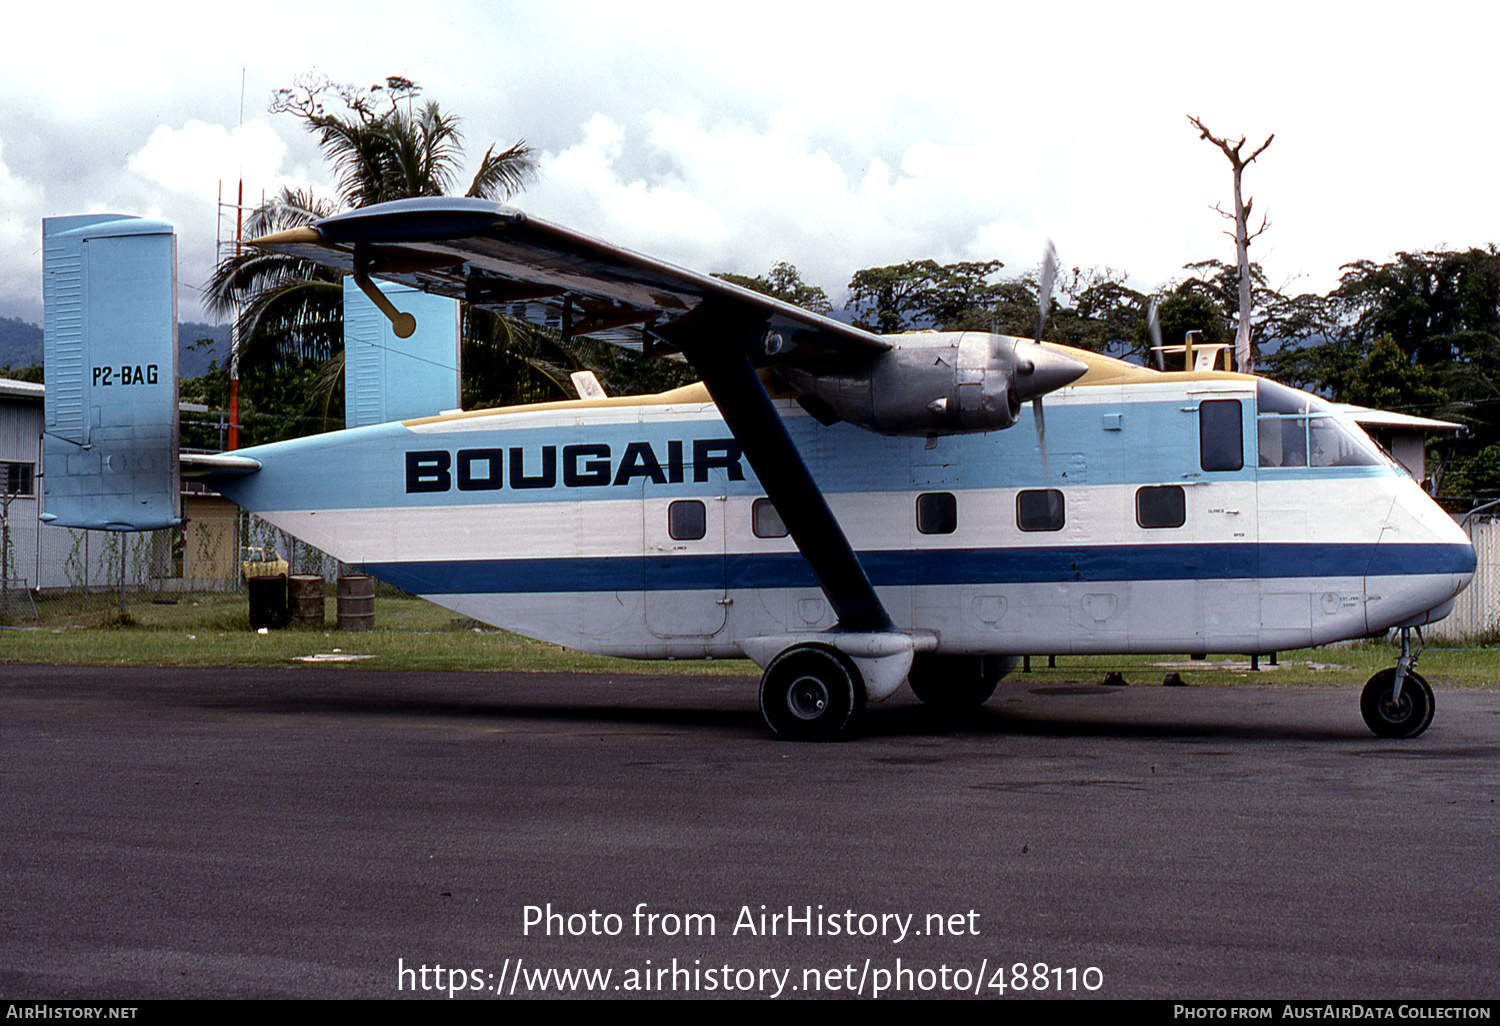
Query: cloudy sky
[(833, 136)]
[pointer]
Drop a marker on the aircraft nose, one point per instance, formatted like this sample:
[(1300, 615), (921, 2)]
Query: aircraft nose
[(1040, 370)]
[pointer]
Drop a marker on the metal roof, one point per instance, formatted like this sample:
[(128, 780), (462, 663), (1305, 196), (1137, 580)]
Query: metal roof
[(1368, 418)]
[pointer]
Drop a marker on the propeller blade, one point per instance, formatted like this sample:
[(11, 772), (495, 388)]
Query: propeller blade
[(1041, 434), (1153, 327), (1044, 288), (1044, 305), (1049, 273)]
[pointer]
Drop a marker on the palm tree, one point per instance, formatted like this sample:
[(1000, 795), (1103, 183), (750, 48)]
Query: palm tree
[(289, 312), (404, 154)]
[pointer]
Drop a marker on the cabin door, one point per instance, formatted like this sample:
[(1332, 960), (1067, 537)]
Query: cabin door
[(684, 564), (1225, 514)]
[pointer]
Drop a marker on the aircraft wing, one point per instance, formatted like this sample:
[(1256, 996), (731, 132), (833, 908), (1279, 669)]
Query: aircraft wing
[(502, 259), (497, 257)]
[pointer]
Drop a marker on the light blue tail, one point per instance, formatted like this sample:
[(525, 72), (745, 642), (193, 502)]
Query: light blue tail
[(110, 451)]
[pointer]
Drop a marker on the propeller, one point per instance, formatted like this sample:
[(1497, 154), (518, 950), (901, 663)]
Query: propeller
[(1044, 306), (1153, 328)]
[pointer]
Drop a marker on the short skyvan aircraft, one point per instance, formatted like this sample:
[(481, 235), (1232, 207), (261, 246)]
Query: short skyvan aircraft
[(846, 509)]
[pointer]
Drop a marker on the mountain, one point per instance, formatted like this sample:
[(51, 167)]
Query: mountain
[(20, 342), (198, 345)]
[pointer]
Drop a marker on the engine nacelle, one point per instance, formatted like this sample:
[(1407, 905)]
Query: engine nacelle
[(942, 383)]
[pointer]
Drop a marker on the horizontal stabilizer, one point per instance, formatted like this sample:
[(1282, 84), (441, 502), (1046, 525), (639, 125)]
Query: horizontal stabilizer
[(109, 290), (217, 464)]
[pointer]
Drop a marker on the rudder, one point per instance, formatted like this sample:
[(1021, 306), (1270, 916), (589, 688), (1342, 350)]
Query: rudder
[(110, 443)]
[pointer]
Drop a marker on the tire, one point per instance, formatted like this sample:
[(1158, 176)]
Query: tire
[(811, 692), (1409, 717), (955, 683)]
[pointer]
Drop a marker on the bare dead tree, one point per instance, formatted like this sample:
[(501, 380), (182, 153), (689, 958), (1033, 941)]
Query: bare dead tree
[(1242, 236)]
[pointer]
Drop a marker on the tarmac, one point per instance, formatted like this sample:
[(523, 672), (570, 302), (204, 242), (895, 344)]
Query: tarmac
[(344, 832)]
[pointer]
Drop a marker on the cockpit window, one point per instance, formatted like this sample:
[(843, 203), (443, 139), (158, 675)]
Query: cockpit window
[(1299, 430)]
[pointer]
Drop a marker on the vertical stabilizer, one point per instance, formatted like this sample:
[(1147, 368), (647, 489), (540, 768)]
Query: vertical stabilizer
[(109, 291), (388, 378)]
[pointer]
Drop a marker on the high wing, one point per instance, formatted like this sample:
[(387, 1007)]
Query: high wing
[(502, 259), (497, 257)]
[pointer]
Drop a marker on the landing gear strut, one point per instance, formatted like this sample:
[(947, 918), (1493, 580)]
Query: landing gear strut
[(1398, 702)]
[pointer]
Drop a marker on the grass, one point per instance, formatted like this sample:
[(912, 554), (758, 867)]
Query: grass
[(214, 630), (411, 634)]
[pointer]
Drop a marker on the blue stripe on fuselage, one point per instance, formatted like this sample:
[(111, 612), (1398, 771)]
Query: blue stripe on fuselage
[(935, 567)]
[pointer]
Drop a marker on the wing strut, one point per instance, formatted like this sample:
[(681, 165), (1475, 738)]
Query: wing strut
[(741, 396)]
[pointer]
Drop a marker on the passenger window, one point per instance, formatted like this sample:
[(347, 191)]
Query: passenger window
[(1161, 507), (1221, 435), (1040, 510), (937, 513), (765, 521), (687, 520)]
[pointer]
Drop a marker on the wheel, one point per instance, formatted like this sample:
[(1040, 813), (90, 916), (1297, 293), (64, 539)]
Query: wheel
[(811, 692), (955, 683), (1408, 716)]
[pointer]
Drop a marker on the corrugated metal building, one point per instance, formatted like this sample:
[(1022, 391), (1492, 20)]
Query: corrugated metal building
[(20, 487), (203, 554)]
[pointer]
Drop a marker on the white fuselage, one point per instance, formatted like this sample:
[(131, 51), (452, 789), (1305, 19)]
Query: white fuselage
[(634, 529)]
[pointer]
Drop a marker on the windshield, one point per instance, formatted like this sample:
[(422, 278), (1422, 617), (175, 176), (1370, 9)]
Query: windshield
[(1300, 430)]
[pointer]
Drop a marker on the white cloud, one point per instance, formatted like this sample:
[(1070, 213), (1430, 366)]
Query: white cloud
[(727, 195), (836, 141), (21, 205), (197, 157)]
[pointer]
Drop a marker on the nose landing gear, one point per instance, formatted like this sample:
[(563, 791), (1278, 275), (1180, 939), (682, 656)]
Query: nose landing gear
[(1398, 702)]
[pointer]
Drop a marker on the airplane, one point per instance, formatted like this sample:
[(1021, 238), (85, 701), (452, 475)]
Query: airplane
[(851, 511)]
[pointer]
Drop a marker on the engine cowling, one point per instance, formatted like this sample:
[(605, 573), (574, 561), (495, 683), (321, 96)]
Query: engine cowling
[(941, 383)]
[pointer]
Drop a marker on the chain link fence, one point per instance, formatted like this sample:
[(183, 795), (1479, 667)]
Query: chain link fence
[(74, 571), (1476, 611)]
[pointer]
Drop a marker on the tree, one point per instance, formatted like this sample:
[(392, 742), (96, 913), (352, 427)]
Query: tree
[(1186, 308), (285, 403), (387, 148), (1385, 379), (784, 282), (1441, 308), (1243, 360), (1323, 368), (1419, 333), (1097, 311), (384, 146), (1438, 305), (1094, 311), (921, 294), (286, 310)]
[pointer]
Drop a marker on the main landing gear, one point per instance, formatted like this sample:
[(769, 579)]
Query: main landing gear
[(1398, 702), (812, 692), (954, 684)]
